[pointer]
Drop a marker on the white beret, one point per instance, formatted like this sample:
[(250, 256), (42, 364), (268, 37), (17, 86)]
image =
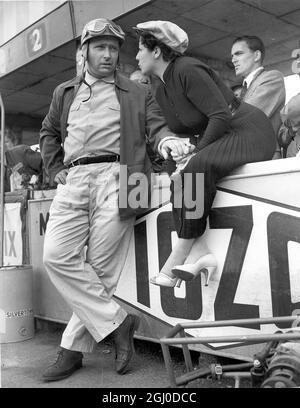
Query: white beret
[(166, 32)]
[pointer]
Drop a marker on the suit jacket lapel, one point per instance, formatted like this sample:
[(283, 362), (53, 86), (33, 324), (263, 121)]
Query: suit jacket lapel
[(254, 79)]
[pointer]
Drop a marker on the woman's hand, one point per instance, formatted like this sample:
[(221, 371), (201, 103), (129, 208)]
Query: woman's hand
[(178, 148), (177, 158)]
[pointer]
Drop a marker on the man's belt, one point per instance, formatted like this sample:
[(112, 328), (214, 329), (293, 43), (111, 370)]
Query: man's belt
[(95, 159)]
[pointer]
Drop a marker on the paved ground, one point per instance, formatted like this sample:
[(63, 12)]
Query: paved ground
[(24, 362)]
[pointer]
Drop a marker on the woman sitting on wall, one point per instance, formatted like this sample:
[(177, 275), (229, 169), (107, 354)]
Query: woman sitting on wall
[(195, 101)]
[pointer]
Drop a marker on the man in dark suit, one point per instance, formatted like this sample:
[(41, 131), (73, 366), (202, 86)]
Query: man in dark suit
[(263, 89)]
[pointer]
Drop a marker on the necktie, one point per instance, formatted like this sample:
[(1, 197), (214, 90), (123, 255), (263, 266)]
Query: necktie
[(244, 90)]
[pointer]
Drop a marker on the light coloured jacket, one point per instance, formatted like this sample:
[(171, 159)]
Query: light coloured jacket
[(267, 92)]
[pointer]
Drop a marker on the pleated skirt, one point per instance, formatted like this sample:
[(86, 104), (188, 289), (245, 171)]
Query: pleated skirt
[(251, 138)]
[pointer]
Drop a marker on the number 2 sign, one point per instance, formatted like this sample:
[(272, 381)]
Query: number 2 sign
[(36, 40)]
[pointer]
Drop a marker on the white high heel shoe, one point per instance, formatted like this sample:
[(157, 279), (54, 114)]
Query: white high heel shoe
[(207, 264), (165, 280)]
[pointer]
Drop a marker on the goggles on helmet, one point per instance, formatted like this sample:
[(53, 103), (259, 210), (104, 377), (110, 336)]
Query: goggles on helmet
[(101, 26)]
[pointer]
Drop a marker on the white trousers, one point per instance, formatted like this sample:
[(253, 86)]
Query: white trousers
[(85, 213)]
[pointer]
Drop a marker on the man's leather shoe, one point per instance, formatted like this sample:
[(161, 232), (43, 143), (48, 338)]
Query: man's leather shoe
[(66, 363), (123, 338)]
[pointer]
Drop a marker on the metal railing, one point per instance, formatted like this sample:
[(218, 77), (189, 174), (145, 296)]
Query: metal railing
[(193, 374)]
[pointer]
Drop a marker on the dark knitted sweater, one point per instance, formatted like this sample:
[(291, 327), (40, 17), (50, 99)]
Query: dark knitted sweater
[(194, 100)]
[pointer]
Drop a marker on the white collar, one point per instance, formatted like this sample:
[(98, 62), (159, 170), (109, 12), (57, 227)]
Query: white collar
[(249, 78), (90, 79)]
